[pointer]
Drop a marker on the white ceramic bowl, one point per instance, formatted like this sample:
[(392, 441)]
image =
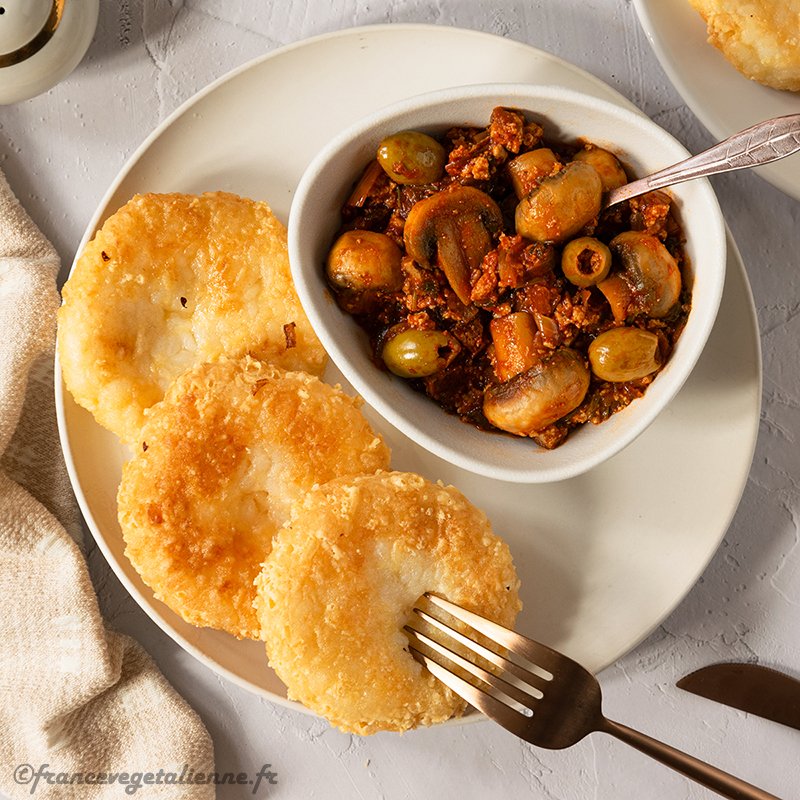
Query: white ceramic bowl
[(641, 145)]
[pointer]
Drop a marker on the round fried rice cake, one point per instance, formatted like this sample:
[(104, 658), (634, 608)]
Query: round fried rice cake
[(340, 584), (761, 38), (221, 459), (170, 281)]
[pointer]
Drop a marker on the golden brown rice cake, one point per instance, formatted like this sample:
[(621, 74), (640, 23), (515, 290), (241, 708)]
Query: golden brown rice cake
[(170, 281), (761, 38), (222, 458), (340, 583)]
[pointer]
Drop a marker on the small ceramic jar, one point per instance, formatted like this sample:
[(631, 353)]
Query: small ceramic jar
[(41, 42)]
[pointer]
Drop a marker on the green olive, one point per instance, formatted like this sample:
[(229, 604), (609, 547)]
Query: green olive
[(417, 354), (585, 261), (624, 354), (411, 157), (362, 260)]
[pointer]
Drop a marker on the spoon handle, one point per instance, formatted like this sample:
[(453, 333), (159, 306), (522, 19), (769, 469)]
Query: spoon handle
[(760, 144)]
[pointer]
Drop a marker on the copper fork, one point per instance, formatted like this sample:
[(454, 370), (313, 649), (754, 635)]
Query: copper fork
[(537, 693)]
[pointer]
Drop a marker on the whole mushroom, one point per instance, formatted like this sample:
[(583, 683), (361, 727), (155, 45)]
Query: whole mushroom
[(538, 397)]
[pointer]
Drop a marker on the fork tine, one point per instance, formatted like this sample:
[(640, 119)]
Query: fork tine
[(538, 655), (517, 697), (527, 680), (494, 709)]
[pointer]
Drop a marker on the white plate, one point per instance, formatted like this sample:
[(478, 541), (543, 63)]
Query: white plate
[(718, 94), (603, 558)]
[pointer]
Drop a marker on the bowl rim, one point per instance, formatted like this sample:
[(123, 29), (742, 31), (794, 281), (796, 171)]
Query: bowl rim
[(512, 94)]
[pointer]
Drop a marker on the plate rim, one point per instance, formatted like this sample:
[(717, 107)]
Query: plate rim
[(146, 604), (253, 63)]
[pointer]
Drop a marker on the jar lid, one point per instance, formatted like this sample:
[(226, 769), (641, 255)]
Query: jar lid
[(41, 42)]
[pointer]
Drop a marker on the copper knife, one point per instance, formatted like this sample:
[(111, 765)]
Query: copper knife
[(749, 687)]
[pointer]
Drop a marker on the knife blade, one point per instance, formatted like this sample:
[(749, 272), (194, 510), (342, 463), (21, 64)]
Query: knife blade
[(753, 688)]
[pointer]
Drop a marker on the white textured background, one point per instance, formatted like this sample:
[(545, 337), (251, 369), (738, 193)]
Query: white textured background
[(61, 150)]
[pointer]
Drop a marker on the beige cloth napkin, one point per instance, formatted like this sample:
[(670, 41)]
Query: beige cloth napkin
[(75, 698)]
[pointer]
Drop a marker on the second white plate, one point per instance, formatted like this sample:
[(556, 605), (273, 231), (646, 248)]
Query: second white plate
[(720, 97), (603, 558)]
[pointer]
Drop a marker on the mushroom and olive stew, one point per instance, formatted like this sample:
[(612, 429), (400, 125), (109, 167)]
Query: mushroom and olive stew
[(485, 273)]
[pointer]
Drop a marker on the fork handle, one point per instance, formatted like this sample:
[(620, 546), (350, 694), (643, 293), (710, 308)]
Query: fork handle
[(711, 777)]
